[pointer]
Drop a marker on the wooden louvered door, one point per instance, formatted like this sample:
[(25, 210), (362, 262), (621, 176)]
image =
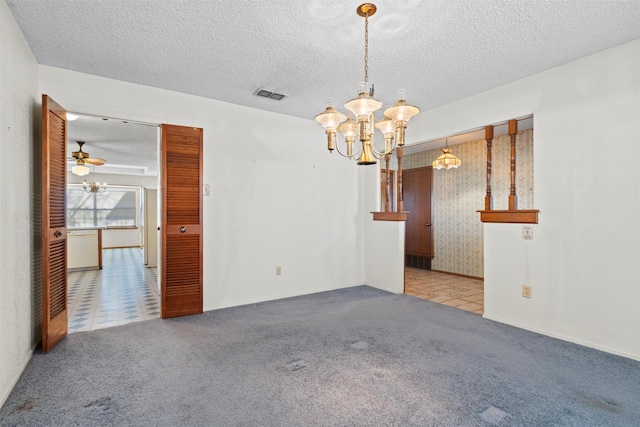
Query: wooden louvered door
[(181, 221), (54, 263)]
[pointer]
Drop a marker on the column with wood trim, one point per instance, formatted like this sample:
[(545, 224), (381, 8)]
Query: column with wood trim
[(513, 131), (488, 199)]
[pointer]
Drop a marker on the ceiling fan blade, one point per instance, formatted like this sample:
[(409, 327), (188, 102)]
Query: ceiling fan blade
[(97, 161)]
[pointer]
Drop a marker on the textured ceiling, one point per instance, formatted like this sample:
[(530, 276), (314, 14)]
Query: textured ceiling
[(439, 50)]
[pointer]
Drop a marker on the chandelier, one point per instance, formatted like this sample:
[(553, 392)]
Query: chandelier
[(94, 187), (392, 126), (446, 160)]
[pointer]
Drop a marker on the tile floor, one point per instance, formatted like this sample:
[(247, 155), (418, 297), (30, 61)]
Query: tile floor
[(116, 295), (455, 291)]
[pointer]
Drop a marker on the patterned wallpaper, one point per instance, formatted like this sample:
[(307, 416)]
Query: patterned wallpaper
[(458, 193)]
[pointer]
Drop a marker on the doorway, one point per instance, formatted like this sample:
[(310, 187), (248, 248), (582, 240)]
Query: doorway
[(417, 201), (181, 160), (123, 287), (443, 231)]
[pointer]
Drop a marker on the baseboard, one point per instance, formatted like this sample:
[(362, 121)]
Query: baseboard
[(76, 269), (281, 296), (16, 377), (565, 338), (458, 274)]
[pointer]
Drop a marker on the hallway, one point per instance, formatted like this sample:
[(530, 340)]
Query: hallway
[(116, 295), (455, 291)]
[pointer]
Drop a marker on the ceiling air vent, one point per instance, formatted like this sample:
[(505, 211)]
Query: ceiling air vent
[(268, 94)]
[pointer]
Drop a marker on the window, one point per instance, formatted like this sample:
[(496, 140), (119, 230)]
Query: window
[(116, 207)]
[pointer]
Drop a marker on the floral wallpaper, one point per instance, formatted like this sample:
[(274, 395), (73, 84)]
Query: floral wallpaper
[(458, 193)]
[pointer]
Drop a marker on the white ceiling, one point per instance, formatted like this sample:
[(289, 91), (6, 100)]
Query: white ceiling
[(128, 148), (439, 50)]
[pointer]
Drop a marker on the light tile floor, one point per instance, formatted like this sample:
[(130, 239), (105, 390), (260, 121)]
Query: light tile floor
[(116, 295), (455, 291)]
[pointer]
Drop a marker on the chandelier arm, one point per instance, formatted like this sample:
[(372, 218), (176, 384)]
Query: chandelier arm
[(382, 153), (353, 156)]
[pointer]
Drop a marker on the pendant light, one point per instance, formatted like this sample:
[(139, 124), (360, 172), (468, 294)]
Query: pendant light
[(446, 160)]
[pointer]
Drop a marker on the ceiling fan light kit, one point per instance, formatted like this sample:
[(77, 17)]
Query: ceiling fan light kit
[(80, 169), (363, 107)]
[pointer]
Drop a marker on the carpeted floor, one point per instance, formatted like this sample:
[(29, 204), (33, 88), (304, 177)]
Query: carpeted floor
[(353, 357)]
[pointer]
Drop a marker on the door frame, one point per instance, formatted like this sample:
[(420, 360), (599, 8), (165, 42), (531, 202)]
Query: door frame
[(160, 188)]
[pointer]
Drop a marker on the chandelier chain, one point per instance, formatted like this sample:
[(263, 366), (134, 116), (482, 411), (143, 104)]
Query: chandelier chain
[(366, 48)]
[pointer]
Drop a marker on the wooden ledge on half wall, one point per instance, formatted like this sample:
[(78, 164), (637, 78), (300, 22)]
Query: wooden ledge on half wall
[(523, 216), (390, 216)]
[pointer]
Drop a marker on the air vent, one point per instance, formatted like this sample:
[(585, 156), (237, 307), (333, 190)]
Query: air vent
[(268, 94)]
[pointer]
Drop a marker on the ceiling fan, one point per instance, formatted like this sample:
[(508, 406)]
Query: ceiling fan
[(82, 159)]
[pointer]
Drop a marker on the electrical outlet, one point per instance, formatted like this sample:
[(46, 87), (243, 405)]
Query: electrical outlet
[(527, 232), (526, 291), (278, 271)]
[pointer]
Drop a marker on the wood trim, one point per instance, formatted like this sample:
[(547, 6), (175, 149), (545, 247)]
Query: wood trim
[(387, 186), (488, 199), (507, 216), (189, 229), (390, 216), (99, 249), (513, 131), (399, 156), (459, 275)]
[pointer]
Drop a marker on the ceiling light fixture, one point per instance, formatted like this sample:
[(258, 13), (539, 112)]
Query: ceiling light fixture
[(392, 126), (446, 160), (80, 169), (94, 187)]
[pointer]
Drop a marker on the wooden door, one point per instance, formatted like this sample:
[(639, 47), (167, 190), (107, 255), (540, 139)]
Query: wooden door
[(417, 201), (181, 225), (54, 230)]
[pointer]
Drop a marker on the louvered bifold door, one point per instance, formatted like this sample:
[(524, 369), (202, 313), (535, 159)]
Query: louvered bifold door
[(181, 221), (54, 265)]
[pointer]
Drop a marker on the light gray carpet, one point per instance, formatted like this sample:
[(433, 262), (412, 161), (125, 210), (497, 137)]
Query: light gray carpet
[(353, 357)]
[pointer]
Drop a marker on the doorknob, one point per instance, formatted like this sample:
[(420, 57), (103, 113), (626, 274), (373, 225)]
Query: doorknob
[(183, 229), (58, 233), (427, 225)]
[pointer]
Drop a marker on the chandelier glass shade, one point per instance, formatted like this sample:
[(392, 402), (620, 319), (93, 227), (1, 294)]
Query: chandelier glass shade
[(361, 126)]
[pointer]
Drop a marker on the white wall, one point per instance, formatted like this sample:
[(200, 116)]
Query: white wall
[(277, 197), (121, 238), (19, 285), (583, 263), (384, 241)]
